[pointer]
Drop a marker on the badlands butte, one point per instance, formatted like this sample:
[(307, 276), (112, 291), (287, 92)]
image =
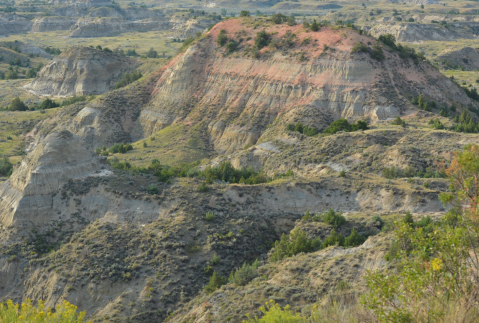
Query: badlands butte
[(116, 234)]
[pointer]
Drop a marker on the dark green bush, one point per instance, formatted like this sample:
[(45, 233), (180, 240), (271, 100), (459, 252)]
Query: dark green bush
[(262, 39), (344, 125), (333, 218), (334, 239), (304, 129), (216, 281), (222, 38), (6, 167)]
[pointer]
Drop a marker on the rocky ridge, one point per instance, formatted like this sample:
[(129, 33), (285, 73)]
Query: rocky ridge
[(81, 71)]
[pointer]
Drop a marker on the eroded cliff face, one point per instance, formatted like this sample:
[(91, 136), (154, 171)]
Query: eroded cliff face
[(26, 198), (81, 71), (313, 78), (44, 24), (316, 81), (13, 24), (107, 26)]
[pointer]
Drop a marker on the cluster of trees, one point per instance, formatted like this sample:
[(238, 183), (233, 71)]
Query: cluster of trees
[(52, 50), (10, 74), (224, 172), (344, 125), (464, 123), (335, 219), (296, 242), (409, 171), (32, 72), (403, 51), (376, 52), (222, 40), (304, 129), (399, 122), (421, 103), (279, 18), (128, 78), (115, 149), (18, 105)]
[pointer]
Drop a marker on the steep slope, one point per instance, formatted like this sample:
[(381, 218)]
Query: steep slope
[(81, 71), (238, 95), (26, 198), (311, 77)]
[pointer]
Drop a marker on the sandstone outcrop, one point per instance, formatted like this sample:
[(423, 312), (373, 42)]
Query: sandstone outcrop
[(13, 24), (26, 198), (81, 71), (98, 27), (45, 24), (407, 32)]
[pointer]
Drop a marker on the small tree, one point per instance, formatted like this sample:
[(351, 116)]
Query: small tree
[(18, 105), (222, 38), (333, 218), (216, 281), (354, 239), (291, 21), (314, 26)]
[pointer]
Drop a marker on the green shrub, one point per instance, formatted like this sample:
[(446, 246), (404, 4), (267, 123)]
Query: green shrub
[(262, 39), (151, 54), (6, 167), (231, 47), (355, 239), (293, 244), (244, 274), (27, 313), (216, 281), (18, 105), (203, 187), (128, 78), (210, 216), (278, 18), (304, 129), (314, 26), (360, 48), (152, 189), (222, 38), (333, 218), (215, 259), (334, 239)]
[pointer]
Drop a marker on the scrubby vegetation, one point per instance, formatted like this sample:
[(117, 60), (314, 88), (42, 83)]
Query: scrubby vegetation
[(344, 125), (27, 313), (224, 172), (403, 50), (292, 244), (304, 129), (128, 78), (437, 265), (409, 171)]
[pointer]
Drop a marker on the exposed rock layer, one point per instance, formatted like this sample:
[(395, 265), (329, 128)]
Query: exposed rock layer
[(81, 71)]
